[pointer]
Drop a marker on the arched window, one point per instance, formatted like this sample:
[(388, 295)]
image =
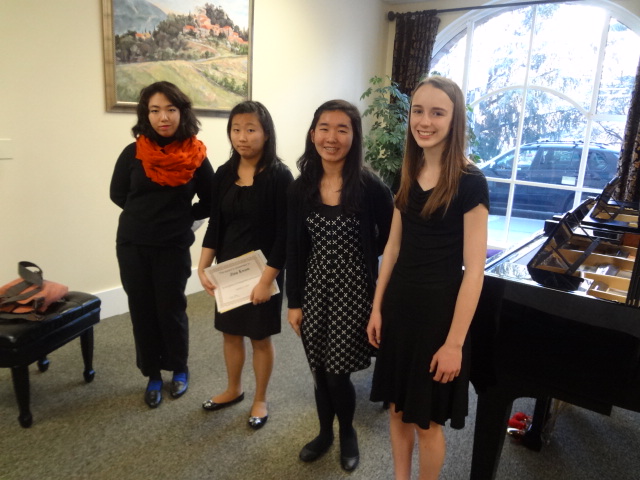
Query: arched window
[(548, 89)]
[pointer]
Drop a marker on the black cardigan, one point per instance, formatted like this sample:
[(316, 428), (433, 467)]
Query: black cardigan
[(269, 220), (153, 214), (375, 223)]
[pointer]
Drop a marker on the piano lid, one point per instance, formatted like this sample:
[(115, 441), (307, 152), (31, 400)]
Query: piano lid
[(507, 278)]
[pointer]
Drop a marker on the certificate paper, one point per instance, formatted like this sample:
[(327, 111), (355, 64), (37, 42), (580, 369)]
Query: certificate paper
[(234, 279)]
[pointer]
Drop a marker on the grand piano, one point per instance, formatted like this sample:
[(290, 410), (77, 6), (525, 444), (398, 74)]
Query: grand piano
[(561, 335)]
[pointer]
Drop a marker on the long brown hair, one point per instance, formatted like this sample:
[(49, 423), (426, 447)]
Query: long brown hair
[(453, 162)]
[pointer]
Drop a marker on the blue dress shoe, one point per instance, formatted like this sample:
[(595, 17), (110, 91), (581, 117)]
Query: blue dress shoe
[(258, 422), (153, 393), (179, 384), (211, 405)]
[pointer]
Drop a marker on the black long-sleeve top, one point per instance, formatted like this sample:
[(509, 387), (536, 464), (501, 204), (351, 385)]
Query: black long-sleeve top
[(375, 222), (153, 214), (269, 219)]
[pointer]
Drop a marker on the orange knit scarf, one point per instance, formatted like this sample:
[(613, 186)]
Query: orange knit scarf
[(173, 164)]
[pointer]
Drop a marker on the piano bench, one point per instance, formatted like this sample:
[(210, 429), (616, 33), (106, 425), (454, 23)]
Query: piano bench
[(24, 342)]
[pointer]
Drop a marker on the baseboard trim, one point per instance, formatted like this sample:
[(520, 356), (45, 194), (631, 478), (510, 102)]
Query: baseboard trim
[(114, 301)]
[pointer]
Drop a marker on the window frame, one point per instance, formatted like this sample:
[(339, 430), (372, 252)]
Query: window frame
[(465, 24)]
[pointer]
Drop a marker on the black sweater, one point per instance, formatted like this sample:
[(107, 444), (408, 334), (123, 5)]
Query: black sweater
[(269, 220), (375, 222), (156, 215)]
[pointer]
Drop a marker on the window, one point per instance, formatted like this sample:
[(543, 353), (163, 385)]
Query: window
[(548, 87)]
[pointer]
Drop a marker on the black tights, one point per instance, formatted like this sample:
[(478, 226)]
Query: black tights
[(336, 396)]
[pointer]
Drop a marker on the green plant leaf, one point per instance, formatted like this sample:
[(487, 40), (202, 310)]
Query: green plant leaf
[(384, 142)]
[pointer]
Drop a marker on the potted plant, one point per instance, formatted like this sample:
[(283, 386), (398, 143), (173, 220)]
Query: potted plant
[(384, 143)]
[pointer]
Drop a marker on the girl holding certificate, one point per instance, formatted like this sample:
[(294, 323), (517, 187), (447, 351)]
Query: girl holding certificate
[(248, 213), (424, 300), (339, 220)]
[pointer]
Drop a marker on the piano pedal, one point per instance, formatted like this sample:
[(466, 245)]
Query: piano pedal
[(516, 433)]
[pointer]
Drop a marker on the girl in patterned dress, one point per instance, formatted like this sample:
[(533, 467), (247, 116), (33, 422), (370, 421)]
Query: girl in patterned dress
[(424, 300), (339, 219)]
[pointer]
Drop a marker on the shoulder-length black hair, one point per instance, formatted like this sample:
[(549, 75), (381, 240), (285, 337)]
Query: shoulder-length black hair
[(310, 163), (189, 124), (269, 156)]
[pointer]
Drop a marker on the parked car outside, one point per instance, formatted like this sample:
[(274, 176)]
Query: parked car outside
[(552, 163)]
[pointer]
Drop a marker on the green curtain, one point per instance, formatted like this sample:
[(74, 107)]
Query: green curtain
[(413, 45), (629, 163)]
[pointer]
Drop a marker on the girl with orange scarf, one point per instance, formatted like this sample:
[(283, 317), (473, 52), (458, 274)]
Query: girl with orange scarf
[(154, 182)]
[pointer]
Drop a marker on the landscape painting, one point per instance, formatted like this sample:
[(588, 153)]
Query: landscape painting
[(203, 48)]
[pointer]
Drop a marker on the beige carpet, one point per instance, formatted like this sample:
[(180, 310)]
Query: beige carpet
[(103, 430)]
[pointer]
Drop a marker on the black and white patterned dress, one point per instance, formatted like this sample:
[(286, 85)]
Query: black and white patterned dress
[(336, 302)]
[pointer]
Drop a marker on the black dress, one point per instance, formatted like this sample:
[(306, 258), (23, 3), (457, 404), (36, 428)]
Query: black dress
[(253, 321), (336, 301), (418, 306)]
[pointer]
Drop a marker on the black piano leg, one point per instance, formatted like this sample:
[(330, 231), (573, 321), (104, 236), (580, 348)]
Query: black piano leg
[(533, 437), (43, 364), (492, 415), (86, 345), (20, 376)]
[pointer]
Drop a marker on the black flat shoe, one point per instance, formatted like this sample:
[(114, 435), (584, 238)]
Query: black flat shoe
[(258, 422), (311, 451), (179, 387), (349, 464), (211, 405), (349, 452), (153, 398)]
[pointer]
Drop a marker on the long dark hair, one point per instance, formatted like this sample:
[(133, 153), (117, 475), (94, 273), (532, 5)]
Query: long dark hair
[(453, 162), (189, 124), (310, 163), (269, 156)]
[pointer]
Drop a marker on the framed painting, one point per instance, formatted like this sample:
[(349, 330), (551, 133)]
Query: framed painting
[(203, 48)]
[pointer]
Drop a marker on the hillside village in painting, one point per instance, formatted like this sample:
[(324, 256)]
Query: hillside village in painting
[(204, 52)]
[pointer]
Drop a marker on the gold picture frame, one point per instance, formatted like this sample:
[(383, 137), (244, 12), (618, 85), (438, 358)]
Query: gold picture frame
[(194, 44)]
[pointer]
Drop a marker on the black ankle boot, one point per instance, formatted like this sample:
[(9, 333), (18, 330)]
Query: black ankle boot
[(315, 448), (349, 452)]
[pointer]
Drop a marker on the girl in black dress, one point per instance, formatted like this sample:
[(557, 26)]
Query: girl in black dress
[(154, 182), (249, 212), (339, 220), (423, 303)]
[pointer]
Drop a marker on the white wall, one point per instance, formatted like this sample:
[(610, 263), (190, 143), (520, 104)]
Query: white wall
[(54, 200)]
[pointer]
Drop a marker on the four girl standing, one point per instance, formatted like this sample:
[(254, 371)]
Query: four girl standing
[(339, 218)]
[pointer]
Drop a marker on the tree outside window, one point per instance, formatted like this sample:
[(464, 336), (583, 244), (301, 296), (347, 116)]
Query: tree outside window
[(549, 89)]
